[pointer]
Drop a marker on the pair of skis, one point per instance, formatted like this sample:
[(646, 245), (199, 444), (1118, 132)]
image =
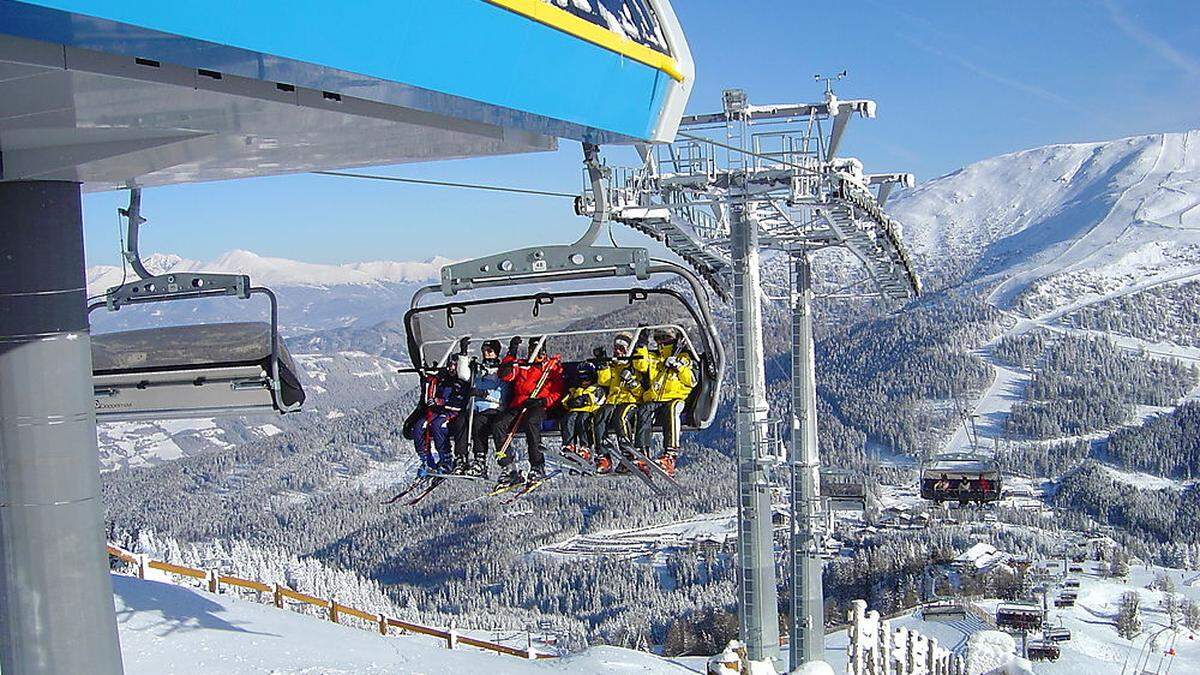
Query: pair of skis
[(642, 466), (519, 490)]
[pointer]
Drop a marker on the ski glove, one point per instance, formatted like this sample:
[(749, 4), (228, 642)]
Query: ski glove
[(513, 345)]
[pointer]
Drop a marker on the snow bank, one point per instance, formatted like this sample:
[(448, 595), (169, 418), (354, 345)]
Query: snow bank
[(989, 653), (172, 629)]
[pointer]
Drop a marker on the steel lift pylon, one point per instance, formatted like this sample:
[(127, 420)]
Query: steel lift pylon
[(735, 185)]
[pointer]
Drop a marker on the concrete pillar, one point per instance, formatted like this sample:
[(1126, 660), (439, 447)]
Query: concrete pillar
[(56, 603)]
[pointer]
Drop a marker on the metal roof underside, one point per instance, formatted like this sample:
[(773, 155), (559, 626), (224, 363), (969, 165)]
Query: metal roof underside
[(100, 119)]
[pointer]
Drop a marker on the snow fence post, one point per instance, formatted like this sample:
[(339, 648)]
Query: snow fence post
[(142, 561), (383, 625), (214, 581), (333, 610), (931, 657), (884, 665), (877, 637), (856, 648), (278, 596), (452, 635), (529, 652)]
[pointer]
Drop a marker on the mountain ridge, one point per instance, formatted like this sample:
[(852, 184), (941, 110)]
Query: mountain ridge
[(267, 270)]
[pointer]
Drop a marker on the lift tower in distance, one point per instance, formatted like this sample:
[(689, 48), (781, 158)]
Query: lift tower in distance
[(736, 183)]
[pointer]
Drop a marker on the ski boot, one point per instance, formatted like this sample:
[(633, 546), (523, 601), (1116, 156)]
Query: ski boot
[(536, 475), (510, 478), (461, 468), (604, 464), (667, 461), (478, 469)]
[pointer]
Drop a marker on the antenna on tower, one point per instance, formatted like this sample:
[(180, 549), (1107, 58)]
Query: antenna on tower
[(829, 80)]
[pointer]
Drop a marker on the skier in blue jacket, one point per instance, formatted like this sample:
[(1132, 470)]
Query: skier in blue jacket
[(474, 427)]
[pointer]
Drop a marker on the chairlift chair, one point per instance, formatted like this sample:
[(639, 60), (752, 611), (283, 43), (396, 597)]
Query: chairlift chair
[(1059, 634), (1019, 616), (1042, 650), (843, 490), (189, 371), (961, 477), (557, 293), (943, 610)]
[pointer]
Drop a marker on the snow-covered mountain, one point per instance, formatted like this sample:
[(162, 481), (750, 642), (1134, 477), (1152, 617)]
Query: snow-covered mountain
[(1046, 225), (312, 297), (267, 271)]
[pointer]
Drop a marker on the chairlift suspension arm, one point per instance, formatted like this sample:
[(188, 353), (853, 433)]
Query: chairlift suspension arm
[(133, 216)]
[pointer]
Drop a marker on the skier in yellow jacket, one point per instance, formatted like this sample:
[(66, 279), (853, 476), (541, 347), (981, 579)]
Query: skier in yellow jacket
[(623, 392), (669, 372), (581, 402)]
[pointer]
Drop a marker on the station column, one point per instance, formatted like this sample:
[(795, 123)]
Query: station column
[(56, 604), (758, 598)]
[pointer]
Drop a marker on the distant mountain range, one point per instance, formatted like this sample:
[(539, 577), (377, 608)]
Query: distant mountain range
[(312, 297), (277, 271)]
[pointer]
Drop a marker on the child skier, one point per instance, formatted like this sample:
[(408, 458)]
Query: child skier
[(446, 395), (490, 395), (582, 401), (623, 390)]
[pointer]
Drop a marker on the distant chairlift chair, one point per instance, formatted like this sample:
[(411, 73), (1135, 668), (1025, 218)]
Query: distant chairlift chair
[(195, 370), (843, 490), (1019, 616), (961, 477)]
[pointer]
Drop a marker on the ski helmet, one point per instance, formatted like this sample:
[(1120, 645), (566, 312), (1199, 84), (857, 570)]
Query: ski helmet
[(665, 336), (585, 374), (490, 345), (622, 340)]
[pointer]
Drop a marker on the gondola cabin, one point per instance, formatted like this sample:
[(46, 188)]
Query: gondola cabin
[(962, 477), (1019, 616)]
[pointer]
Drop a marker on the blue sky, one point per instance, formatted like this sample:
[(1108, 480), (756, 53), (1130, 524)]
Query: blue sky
[(955, 82)]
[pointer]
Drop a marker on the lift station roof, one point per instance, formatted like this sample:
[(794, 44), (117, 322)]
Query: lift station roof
[(105, 92)]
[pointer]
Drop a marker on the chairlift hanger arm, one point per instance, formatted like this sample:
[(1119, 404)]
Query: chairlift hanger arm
[(133, 215)]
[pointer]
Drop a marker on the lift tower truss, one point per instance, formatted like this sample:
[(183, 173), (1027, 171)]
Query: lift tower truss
[(736, 183)]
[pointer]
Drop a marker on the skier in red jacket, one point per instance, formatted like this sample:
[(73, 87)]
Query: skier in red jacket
[(537, 388)]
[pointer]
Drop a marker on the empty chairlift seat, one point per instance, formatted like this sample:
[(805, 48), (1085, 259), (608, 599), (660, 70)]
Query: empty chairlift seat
[(944, 611), (1042, 650), (843, 490), (193, 371)]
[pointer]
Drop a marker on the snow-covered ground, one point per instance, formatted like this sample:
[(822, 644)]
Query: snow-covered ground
[(167, 629), (644, 542)]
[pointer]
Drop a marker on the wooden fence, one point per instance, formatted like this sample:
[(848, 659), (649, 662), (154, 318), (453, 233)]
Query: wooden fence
[(334, 611)]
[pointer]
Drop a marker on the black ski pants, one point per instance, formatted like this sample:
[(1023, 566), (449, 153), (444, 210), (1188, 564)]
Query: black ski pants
[(528, 418)]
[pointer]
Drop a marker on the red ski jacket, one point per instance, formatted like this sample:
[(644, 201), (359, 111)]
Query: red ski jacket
[(525, 378)]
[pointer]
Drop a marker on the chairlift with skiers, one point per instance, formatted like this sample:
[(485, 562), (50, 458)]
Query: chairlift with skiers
[(961, 476)]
